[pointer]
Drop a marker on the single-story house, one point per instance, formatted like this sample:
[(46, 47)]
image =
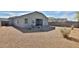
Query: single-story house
[(34, 21), (30, 20)]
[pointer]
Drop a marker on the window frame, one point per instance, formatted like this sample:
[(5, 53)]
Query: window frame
[(17, 21), (26, 20)]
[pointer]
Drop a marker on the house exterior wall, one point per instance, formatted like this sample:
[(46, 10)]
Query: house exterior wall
[(20, 21)]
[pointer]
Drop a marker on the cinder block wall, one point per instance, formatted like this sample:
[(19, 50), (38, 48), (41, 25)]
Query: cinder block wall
[(64, 24)]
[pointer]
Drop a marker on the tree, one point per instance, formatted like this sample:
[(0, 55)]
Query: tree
[(77, 16)]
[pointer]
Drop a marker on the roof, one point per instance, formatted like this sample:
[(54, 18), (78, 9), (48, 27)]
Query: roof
[(28, 14)]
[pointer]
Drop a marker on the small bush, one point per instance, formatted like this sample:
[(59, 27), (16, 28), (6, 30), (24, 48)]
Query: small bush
[(65, 32), (72, 27)]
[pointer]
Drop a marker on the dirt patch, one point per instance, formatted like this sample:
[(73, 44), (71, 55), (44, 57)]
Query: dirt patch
[(13, 38)]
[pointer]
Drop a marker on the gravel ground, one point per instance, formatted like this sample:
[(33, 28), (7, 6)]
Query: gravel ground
[(13, 38)]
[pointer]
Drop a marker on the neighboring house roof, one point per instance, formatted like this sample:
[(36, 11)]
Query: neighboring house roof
[(28, 14), (3, 19)]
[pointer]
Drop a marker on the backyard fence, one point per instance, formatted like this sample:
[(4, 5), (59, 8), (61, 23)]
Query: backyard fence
[(64, 24)]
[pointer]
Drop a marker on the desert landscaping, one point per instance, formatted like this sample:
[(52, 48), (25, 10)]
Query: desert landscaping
[(13, 38)]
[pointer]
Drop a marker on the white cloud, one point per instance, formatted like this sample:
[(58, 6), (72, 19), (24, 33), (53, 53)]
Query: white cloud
[(4, 16), (11, 13)]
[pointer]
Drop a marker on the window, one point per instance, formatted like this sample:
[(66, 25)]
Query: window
[(17, 21), (26, 20)]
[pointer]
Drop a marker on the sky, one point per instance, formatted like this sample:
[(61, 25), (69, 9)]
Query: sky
[(70, 15)]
